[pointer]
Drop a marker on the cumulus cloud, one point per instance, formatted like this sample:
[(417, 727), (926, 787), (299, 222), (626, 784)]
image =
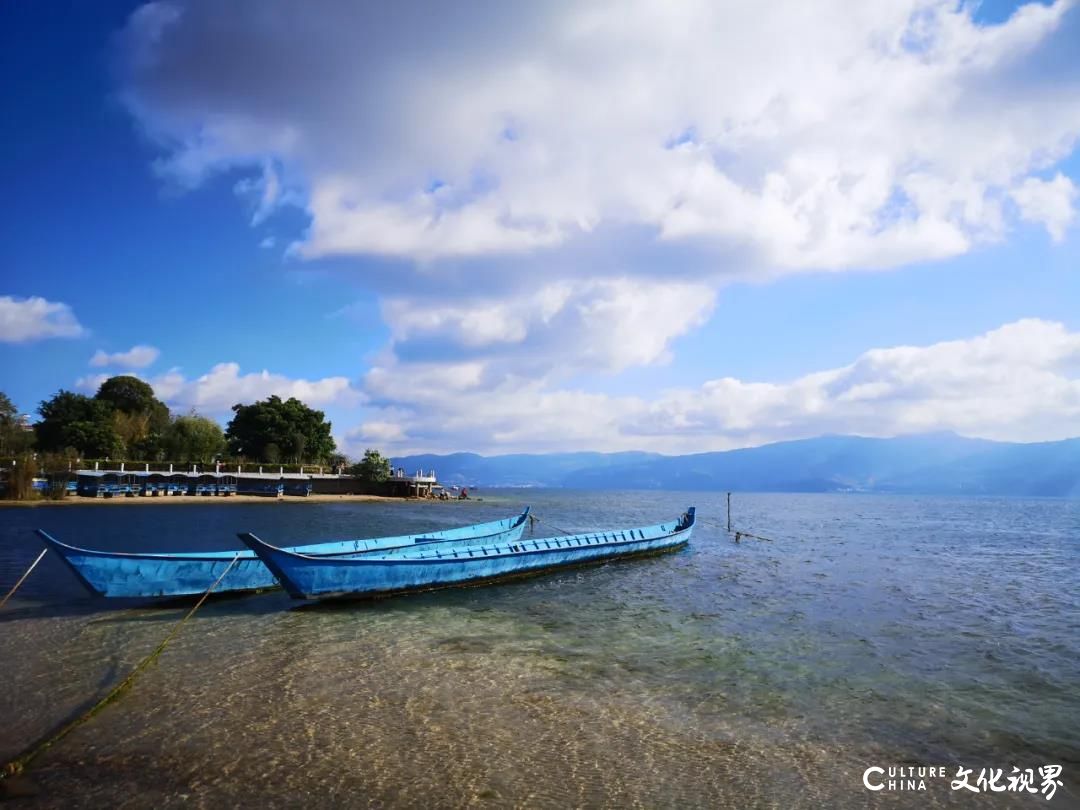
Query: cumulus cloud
[(873, 136), (1020, 382), (223, 386), (215, 392), (555, 189), (135, 357), (1047, 202), (26, 319), (92, 382), (517, 415), (561, 327)]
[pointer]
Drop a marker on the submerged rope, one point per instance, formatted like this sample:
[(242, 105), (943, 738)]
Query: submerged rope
[(19, 764), (738, 533), (22, 579), (741, 534)]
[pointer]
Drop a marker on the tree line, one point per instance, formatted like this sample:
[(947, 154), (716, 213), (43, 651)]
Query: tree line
[(125, 420)]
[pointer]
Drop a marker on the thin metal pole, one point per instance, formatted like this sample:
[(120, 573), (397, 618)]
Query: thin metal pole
[(33, 565), (729, 513)]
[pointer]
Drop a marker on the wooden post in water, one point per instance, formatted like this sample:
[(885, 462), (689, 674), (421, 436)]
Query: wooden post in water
[(729, 513)]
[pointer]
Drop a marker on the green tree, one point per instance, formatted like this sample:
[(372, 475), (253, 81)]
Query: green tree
[(374, 468), (13, 438), (132, 429), (9, 414), (127, 394), (77, 421), (193, 438), (20, 479), (291, 426), (140, 418), (297, 443)]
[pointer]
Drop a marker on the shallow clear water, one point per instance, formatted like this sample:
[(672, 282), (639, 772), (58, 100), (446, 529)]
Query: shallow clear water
[(872, 631)]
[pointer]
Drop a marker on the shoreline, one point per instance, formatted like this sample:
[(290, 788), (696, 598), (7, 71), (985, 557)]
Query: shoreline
[(218, 499)]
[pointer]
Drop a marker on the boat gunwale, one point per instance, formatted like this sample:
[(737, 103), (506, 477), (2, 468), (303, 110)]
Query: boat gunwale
[(322, 561), (248, 554), (422, 541), (203, 556)]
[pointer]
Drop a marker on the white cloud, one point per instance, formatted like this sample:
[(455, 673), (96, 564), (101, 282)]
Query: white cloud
[(420, 382), (379, 433), (570, 184), (560, 327), (516, 415), (215, 392), (264, 193), (92, 382), (135, 357), (26, 319), (1020, 382), (223, 386), (1047, 202), (869, 137)]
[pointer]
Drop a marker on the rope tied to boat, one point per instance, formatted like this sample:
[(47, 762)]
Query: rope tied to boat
[(20, 763), (737, 534), (533, 519), (740, 534), (22, 579)]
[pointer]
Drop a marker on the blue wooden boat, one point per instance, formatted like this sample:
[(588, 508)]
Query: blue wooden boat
[(141, 574), (443, 565)]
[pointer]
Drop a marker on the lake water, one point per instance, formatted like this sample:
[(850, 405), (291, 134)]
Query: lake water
[(872, 631)]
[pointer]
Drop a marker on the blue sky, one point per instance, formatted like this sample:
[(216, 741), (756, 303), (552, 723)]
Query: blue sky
[(676, 228)]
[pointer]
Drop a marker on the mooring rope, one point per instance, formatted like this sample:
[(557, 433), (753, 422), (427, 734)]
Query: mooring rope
[(19, 764), (22, 579), (737, 533), (740, 534), (712, 523), (534, 519)]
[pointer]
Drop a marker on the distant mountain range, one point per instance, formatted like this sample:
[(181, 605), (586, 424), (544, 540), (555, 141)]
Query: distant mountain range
[(939, 463)]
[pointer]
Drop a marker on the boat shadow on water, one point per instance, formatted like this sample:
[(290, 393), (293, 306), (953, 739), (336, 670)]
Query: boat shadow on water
[(269, 601), (146, 609)]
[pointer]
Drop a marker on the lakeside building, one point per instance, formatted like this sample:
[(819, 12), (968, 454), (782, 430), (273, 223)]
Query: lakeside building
[(422, 484), (224, 480)]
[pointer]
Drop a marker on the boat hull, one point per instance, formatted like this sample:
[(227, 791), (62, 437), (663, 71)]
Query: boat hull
[(119, 574), (454, 565), (137, 575)]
